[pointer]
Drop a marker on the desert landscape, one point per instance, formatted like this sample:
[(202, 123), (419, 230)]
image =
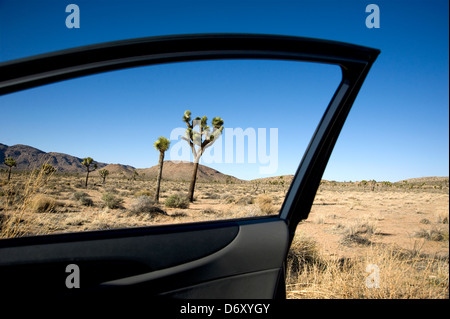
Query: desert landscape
[(363, 239)]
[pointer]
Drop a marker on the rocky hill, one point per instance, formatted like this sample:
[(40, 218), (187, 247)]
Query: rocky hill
[(179, 171), (119, 170), (287, 179), (29, 158), (430, 179)]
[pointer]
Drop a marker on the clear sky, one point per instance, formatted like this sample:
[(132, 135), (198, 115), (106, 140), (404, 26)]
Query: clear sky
[(398, 127)]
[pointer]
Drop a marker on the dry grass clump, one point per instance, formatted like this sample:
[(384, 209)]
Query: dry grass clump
[(383, 273), (144, 192), (358, 232), (145, 204), (210, 211), (43, 204), (442, 217), (433, 234), (245, 200), (304, 253), (83, 198), (227, 198), (265, 203), (112, 201), (239, 211), (105, 219), (210, 195), (17, 197)]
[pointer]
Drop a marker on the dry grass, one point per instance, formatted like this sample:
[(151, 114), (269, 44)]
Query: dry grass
[(265, 204), (41, 203), (19, 196), (381, 273)]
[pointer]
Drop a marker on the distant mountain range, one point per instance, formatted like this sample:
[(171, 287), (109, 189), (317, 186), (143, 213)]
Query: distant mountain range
[(29, 158)]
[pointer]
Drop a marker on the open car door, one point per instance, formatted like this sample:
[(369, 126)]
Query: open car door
[(239, 258)]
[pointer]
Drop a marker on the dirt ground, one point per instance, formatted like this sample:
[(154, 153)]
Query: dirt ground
[(397, 218)]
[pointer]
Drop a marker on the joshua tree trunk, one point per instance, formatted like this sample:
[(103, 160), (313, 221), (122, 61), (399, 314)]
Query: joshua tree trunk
[(9, 173), (87, 177), (158, 181), (192, 185)]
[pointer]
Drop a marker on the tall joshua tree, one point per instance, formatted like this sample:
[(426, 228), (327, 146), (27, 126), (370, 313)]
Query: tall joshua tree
[(10, 162), (87, 162), (162, 144), (202, 138)]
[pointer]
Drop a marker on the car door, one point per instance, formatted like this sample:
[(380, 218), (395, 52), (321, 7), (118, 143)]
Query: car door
[(237, 258)]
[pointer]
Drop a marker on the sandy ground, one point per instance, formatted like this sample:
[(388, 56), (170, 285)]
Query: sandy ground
[(397, 217)]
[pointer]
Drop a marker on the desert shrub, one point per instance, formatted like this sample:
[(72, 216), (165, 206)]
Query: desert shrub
[(42, 204), (177, 201), (227, 198), (264, 203), (349, 239), (83, 198), (111, 201), (358, 227), (13, 195), (245, 200), (303, 253), (145, 204), (79, 195), (178, 214), (358, 232), (209, 195), (78, 184), (246, 211), (209, 211), (144, 192), (366, 227), (111, 190), (86, 201), (433, 234), (442, 218)]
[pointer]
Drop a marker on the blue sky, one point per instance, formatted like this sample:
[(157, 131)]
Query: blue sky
[(398, 127)]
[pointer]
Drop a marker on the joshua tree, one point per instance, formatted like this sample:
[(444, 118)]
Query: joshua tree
[(48, 169), (87, 162), (162, 144), (10, 162), (103, 173), (202, 138)]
